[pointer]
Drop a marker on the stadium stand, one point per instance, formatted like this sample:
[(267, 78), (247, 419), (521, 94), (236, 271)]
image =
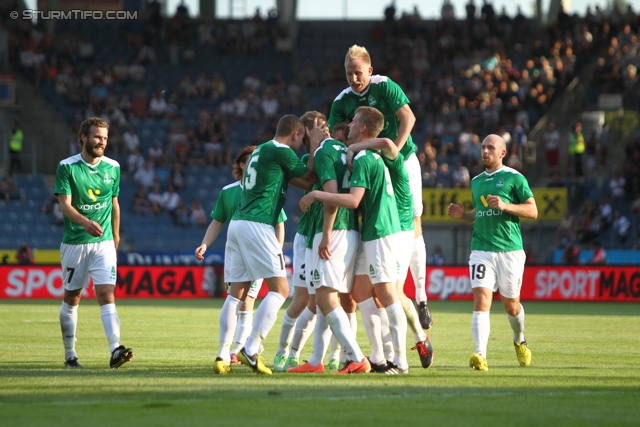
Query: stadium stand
[(197, 91)]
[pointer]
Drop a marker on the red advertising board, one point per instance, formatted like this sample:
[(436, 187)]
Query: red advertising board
[(133, 282), (553, 283), (549, 283)]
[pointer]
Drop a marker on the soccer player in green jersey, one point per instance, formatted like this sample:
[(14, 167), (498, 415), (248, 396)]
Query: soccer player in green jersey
[(252, 250), (500, 197), (385, 95), (394, 162), (372, 190), (87, 186), (333, 254), (240, 296), (299, 318)]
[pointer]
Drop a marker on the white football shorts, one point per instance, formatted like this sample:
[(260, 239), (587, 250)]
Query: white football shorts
[(336, 272), (412, 165), (404, 250), (252, 252), (299, 261), (380, 259), (98, 260), (501, 271)]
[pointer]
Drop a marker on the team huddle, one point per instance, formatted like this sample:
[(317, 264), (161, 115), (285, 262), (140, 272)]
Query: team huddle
[(359, 235)]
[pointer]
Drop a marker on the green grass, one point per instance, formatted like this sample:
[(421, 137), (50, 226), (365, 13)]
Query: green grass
[(584, 372)]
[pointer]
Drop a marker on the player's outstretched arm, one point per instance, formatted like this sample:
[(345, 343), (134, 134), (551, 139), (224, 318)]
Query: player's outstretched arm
[(212, 233), (349, 200), (386, 146)]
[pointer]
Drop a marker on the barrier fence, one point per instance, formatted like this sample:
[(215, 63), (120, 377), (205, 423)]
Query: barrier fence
[(545, 283)]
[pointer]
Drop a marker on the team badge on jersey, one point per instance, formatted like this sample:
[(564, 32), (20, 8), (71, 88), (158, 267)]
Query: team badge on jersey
[(372, 272), (372, 101), (500, 183), (107, 178), (113, 272), (316, 276)]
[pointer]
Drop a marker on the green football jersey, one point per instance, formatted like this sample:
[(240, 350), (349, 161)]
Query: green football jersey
[(315, 210), (228, 202), (379, 210), (402, 191), (266, 180), (495, 230), (383, 94), (303, 225), (92, 189), (331, 164)]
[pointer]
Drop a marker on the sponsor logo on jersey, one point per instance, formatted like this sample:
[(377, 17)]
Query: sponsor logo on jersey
[(372, 101), (93, 194), (484, 201), (500, 183), (489, 212), (94, 207)]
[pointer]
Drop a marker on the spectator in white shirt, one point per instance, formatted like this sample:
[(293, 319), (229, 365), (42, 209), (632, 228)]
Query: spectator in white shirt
[(135, 161), (621, 227), (146, 175), (616, 185), (131, 140)]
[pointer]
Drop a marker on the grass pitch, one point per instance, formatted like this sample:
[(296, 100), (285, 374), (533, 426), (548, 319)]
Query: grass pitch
[(584, 372)]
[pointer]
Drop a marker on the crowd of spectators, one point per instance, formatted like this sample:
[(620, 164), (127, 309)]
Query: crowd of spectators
[(487, 72), (490, 73)]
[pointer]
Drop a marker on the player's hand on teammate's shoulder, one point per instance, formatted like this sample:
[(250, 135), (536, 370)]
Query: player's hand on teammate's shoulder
[(350, 155)]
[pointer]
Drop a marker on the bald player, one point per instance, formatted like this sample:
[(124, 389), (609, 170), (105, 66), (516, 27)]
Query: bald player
[(500, 197)]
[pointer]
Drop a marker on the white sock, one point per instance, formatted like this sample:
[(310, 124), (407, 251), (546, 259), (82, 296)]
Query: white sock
[(111, 324), (414, 324), (68, 326), (353, 321), (385, 335), (418, 267), (286, 334), (371, 323), (228, 322), (480, 329), (517, 324), (339, 323), (398, 327), (334, 348), (243, 329), (266, 316), (321, 338), (304, 327)]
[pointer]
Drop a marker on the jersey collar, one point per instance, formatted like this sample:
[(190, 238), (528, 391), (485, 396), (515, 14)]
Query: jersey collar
[(364, 92)]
